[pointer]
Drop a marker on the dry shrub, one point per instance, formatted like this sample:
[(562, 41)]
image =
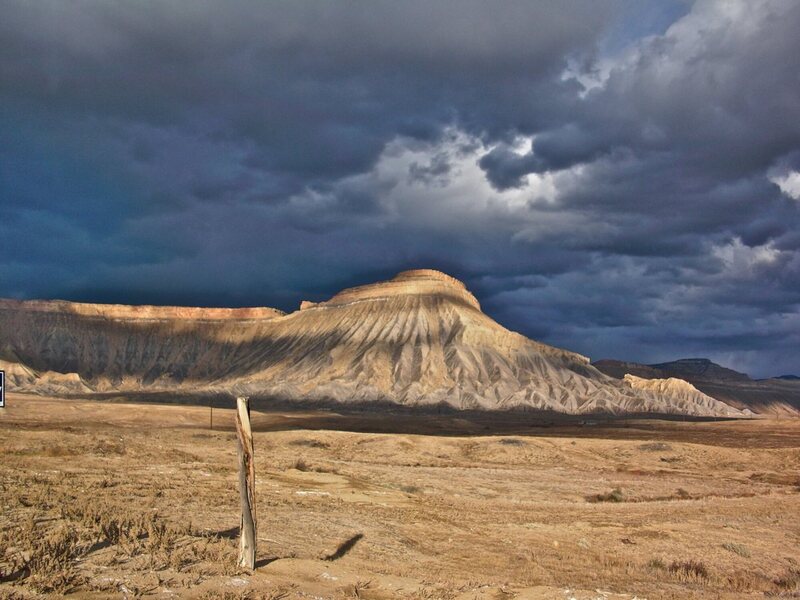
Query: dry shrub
[(231, 595), (787, 478), (49, 566), (790, 580), (41, 497), (186, 457), (655, 447), (739, 549), (161, 537), (358, 589), (785, 585), (57, 450), (747, 581), (220, 552), (512, 442), (325, 469), (434, 593), (689, 570), (300, 464), (11, 561), (614, 495), (309, 443), (106, 447), (132, 532)]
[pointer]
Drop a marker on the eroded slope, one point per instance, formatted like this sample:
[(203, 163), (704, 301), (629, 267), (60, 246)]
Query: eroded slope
[(419, 338)]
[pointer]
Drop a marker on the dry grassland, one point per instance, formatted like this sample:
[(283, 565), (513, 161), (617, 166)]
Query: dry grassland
[(105, 500)]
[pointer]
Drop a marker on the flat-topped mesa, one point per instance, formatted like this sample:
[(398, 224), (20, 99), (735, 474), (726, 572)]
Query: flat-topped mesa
[(419, 282), (142, 312)]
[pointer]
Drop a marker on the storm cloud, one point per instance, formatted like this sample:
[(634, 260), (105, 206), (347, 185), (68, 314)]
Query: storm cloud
[(619, 178)]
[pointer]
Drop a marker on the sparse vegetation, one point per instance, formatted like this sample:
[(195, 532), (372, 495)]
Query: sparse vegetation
[(109, 447), (300, 464), (739, 549), (614, 495), (213, 550), (46, 556), (512, 442), (655, 447), (226, 595), (790, 580), (690, 570), (50, 557), (358, 589), (163, 514), (309, 443)]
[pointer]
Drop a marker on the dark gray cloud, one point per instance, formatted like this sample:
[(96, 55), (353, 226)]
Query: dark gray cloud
[(620, 178)]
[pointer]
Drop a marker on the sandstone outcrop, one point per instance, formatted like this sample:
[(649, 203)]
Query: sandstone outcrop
[(777, 397), (681, 393)]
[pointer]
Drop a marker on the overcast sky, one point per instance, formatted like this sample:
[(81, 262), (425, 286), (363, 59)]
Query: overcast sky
[(619, 178)]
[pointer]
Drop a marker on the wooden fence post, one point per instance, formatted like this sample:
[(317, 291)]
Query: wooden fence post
[(247, 485)]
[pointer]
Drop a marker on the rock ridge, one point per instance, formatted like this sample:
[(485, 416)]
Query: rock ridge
[(140, 312), (417, 282)]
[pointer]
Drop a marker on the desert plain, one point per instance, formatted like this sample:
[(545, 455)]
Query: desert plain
[(129, 500)]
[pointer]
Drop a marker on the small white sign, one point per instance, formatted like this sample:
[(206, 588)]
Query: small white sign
[(2, 389)]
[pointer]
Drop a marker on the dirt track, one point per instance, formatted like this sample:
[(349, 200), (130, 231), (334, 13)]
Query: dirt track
[(500, 508)]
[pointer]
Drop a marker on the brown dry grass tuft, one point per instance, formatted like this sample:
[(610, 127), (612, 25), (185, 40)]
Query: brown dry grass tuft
[(220, 552), (300, 464), (512, 442), (655, 447), (689, 570), (790, 580), (614, 495), (50, 559), (226, 595), (739, 549), (309, 443), (107, 447)]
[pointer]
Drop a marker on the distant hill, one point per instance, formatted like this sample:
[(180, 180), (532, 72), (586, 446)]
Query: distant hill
[(779, 396), (619, 368), (700, 368)]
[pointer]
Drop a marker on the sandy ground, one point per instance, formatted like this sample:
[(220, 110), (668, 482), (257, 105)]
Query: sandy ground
[(369, 506)]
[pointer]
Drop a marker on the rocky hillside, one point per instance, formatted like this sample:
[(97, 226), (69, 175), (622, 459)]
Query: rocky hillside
[(418, 339), (776, 397)]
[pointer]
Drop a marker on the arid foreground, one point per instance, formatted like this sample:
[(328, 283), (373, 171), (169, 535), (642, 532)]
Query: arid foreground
[(128, 500)]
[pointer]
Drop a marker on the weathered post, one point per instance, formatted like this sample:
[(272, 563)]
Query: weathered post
[(247, 485)]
